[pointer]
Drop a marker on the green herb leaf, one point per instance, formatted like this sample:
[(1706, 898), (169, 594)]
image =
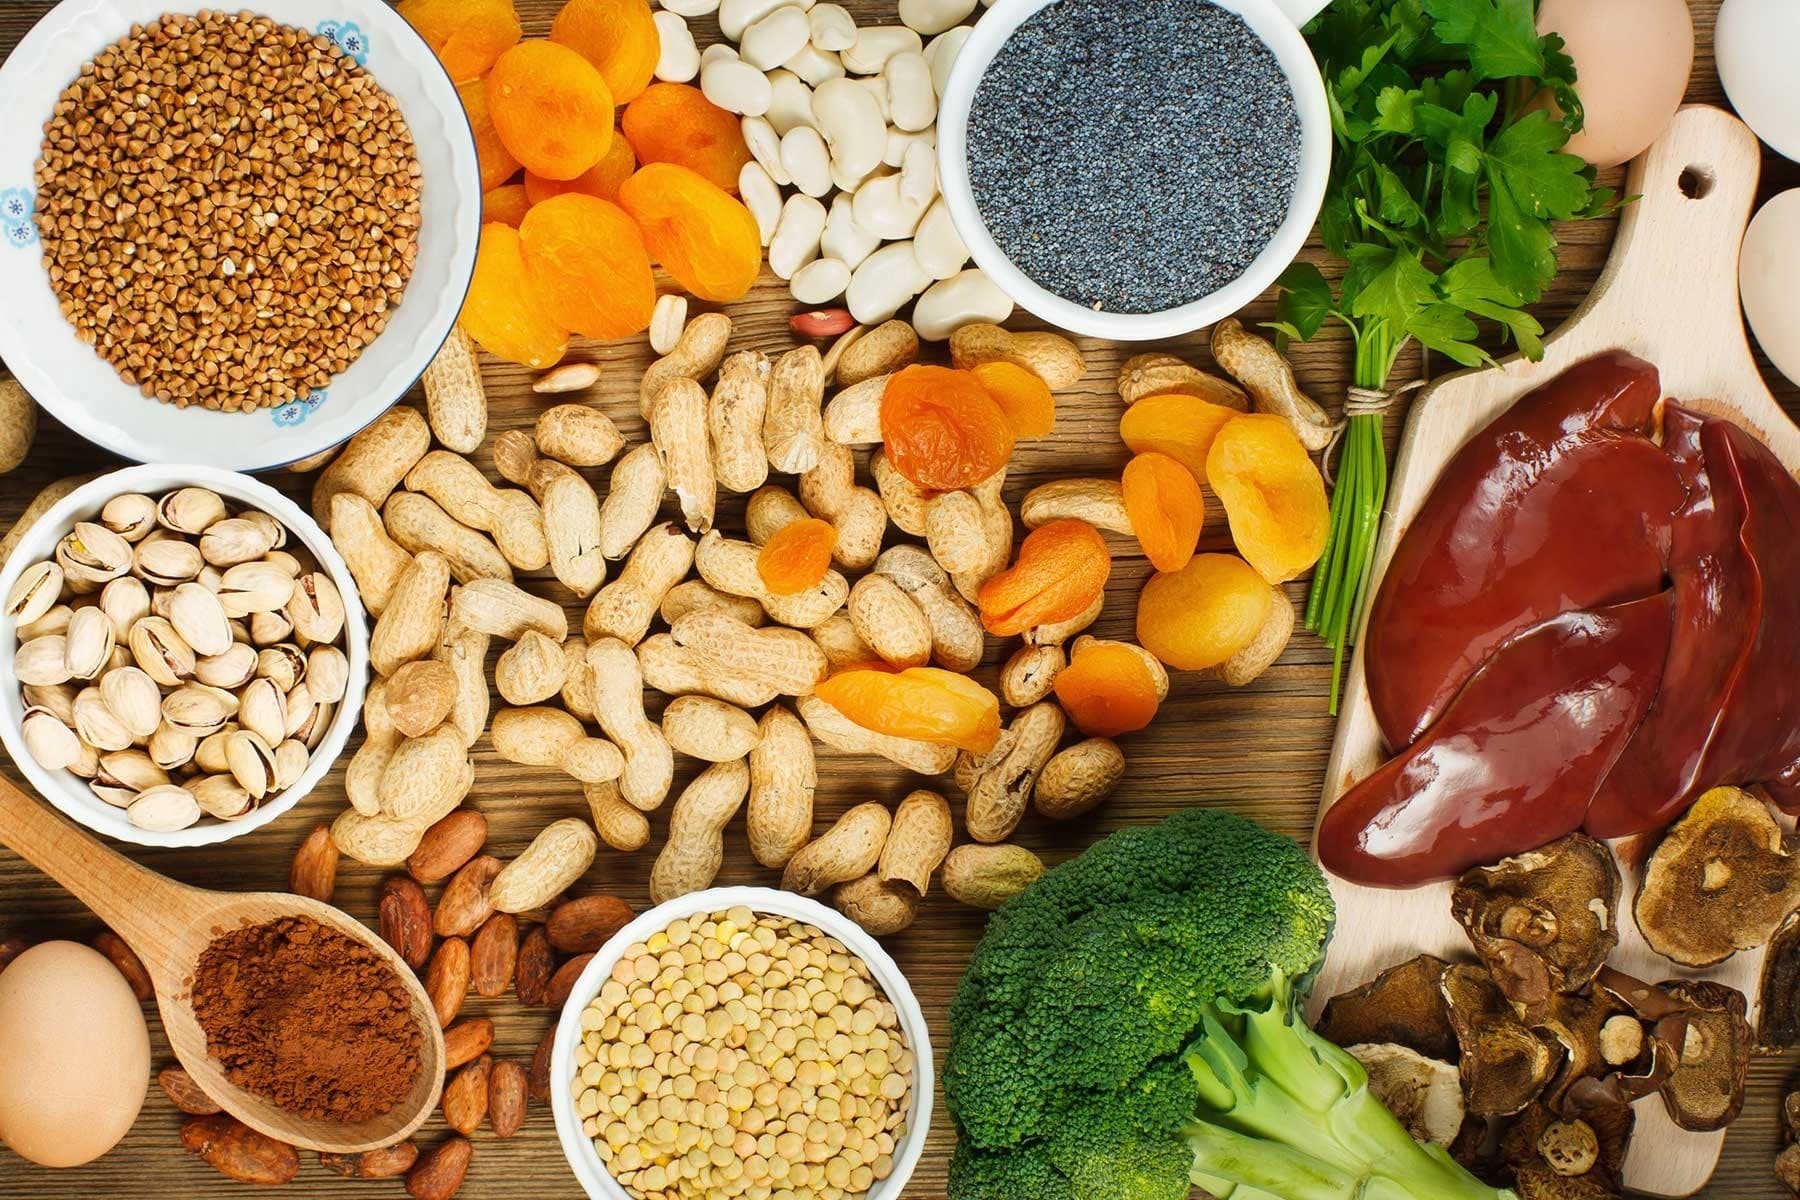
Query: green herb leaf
[(1501, 35), (1547, 183), (1448, 330), (1398, 285), (1305, 301), (1395, 106)]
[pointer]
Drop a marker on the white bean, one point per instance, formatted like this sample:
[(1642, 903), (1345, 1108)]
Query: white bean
[(691, 8), (937, 245), (735, 16), (881, 209), (884, 282), (963, 299), (820, 281), (833, 28), (899, 142), (735, 86), (846, 181), (679, 59), (806, 160), (667, 322), (844, 239), (912, 105), (918, 175), (791, 104), (764, 145), (875, 45), (797, 235), (852, 124), (718, 52), (876, 86), (814, 65), (776, 38), (760, 195), (934, 16), (941, 53)]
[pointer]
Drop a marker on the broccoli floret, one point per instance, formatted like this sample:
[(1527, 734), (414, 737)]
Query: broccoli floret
[(1128, 1028)]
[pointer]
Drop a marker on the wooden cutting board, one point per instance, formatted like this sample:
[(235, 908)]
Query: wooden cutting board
[(1669, 294)]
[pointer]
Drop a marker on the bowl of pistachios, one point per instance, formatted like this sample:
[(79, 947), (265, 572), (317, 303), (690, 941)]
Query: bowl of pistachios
[(188, 651)]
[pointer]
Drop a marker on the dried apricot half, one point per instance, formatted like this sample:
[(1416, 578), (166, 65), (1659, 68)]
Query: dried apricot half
[(1167, 511), (1110, 688), (927, 704), (496, 161), (503, 310), (507, 205), (675, 123), (602, 180), (941, 429), (552, 109), (1024, 397), (618, 36), (797, 557), (1061, 570), (588, 263), (1273, 494), (1196, 618), (701, 235), (466, 35), (1181, 426)]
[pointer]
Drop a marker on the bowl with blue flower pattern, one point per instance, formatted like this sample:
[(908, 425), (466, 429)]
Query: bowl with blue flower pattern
[(73, 383)]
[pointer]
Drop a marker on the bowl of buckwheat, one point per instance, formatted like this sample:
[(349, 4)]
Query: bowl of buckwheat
[(742, 1041), (231, 238)]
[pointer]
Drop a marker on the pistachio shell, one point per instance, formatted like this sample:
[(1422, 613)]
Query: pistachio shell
[(89, 643), (132, 769), (59, 698), (288, 564), (88, 765), (164, 809), (268, 628), (232, 669), (96, 723), (190, 510), (277, 532), (53, 622), (125, 601), (209, 753), (171, 747), (291, 758), (166, 561), (316, 726), (52, 744), (38, 589), (284, 664), (237, 540), (43, 660), (210, 578), (200, 619), (256, 587), (131, 515), (316, 608), (222, 796), (263, 710), (327, 674), (161, 652), (93, 553), (252, 762), (134, 698), (198, 709), (114, 794), (300, 711)]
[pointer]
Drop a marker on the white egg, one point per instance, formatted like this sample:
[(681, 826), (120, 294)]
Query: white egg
[(1767, 271), (1757, 44), (1632, 60), (74, 1055)]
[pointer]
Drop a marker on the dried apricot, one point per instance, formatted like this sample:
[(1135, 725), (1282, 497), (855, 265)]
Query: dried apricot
[(1273, 494), (507, 205), (675, 123), (1180, 426), (1167, 511), (1201, 615), (552, 109), (1061, 570), (503, 311), (924, 703), (1022, 396), (1110, 688), (588, 263), (601, 180), (796, 558), (466, 35), (497, 163), (941, 430), (701, 235), (618, 36)]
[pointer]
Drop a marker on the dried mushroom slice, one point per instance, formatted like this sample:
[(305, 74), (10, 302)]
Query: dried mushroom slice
[(1504, 1065), (1542, 921), (1403, 1005), (1787, 1163), (1706, 1091), (1564, 1156), (1722, 879), (1424, 1094), (1787, 1168), (1578, 1022), (1541, 1183), (1778, 995)]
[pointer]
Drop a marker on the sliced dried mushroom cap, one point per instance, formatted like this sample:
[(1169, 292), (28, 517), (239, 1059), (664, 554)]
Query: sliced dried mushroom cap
[(1790, 1117), (1424, 1094), (1542, 921), (1504, 1065), (1541, 1183), (1403, 1005), (1706, 1091), (1787, 1168), (1778, 995), (1588, 1146), (1577, 1023), (1722, 879)]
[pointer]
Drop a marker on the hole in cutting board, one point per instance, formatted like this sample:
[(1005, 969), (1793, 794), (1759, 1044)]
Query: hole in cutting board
[(1696, 182)]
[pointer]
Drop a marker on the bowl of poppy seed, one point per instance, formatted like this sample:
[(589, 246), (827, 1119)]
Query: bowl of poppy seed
[(233, 238), (1135, 169)]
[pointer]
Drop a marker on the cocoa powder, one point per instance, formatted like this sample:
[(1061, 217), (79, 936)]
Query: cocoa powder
[(307, 1018)]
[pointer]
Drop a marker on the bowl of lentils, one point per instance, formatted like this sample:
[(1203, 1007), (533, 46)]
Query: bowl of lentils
[(1134, 169), (229, 237), (742, 1041)]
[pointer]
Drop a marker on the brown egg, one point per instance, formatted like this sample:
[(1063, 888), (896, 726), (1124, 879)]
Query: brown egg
[(74, 1055), (1632, 60)]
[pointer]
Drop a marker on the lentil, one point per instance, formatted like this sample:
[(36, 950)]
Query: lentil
[(229, 209), (1133, 155), (735, 1054)]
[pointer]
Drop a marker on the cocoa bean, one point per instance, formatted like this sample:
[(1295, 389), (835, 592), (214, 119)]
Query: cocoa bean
[(238, 1152), (405, 920)]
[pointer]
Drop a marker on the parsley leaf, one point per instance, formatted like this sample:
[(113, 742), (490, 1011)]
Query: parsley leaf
[(1501, 35), (1547, 183)]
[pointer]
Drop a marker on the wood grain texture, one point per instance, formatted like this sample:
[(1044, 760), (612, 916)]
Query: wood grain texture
[(1260, 751)]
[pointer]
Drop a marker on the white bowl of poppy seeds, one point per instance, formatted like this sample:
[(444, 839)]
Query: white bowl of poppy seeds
[(229, 238), (1134, 169)]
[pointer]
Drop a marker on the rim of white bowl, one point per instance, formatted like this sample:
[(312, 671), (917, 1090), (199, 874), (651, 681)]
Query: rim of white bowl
[(242, 441), (68, 793), (591, 1173), (1295, 58)]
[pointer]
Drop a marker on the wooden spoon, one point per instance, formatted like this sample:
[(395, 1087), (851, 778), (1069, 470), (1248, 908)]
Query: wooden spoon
[(168, 924)]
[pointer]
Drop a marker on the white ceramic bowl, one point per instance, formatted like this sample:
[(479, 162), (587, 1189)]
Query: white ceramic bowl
[(70, 793), (1280, 32), (583, 1160), (85, 393)]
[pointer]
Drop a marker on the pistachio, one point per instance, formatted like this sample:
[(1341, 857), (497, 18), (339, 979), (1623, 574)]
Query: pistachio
[(263, 710), (39, 588), (43, 660), (190, 510), (256, 587), (171, 747), (89, 643), (59, 698), (278, 534), (252, 762), (291, 758), (125, 601), (52, 744), (133, 698), (88, 765), (267, 628), (284, 664), (161, 652), (198, 709), (232, 669), (209, 754), (312, 731), (210, 578), (92, 553), (132, 769), (164, 809), (285, 562), (166, 561), (131, 516), (112, 793), (97, 725), (200, 619), (237, 540), (222, 796), (301, 711), (327, 674), (315, 608), (52, 622)]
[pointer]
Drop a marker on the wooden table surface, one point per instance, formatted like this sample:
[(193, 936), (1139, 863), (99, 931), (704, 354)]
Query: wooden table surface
[(1259, 750)]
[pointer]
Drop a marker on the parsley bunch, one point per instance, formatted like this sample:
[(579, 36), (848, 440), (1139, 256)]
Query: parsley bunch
[(1444, 181)]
